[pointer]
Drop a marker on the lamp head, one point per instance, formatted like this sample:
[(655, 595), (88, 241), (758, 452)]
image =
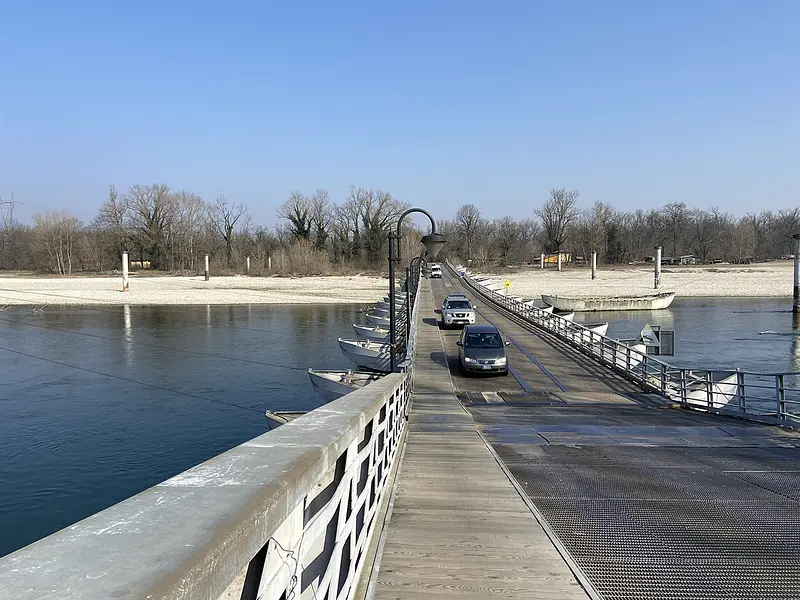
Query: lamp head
[(433, 243)]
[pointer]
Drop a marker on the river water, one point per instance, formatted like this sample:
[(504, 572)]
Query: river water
[(753, 334), (99, 403)]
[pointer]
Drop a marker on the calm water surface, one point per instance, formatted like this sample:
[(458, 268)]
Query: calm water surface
[(753, 334), (97, 404)]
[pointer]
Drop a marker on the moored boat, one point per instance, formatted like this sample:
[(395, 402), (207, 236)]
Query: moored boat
[(367, 354), (717, 393), (598, 328), (278, 418), (376, 334), (331, 385), (377, 320), (589, 304), (381, 312)]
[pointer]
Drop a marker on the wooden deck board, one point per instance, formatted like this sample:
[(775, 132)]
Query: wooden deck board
[(459, 528)]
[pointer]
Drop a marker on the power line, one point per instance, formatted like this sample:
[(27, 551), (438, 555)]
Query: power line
[(160, 347), (86, 306), (129, 380)]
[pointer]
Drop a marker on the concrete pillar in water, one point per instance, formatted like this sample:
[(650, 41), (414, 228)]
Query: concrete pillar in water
[(594, 264), (657, 272), (207, 267), (541, 260), (248, 265), (796, 288), (125, 282)]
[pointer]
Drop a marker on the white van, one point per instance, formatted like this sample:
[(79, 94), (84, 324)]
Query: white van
[(436, 271)]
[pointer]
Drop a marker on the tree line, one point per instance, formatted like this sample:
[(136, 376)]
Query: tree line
[(620, 237), (172, 230)]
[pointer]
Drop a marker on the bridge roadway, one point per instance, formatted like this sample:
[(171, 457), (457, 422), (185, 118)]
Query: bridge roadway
[(562, 480)]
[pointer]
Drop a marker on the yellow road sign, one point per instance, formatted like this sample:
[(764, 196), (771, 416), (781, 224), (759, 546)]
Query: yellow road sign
[(508, 283)]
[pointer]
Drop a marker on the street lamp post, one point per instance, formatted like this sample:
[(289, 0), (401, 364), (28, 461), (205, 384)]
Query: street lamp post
[(433, 242)]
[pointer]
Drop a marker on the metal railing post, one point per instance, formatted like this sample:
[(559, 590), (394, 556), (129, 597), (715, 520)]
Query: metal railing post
[(740, 392), (709, 391), (780, 397), (683, 387)]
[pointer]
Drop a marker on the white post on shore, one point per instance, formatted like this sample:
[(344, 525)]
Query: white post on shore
[(796, 288), (657, 272), (125, 281), (594, 264), (269, 263), (248, 265), (559, 260), (207, 267), (541, 261)]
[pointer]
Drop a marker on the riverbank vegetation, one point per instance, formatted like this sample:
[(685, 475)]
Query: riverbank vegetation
[(171, 231)]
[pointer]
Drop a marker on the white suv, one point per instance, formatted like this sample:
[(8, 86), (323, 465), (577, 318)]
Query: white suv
[(436, 272), (457, 310)]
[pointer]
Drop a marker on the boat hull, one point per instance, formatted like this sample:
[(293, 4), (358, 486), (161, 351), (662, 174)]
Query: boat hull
[(377, 320), (654, 302), (376, 334), (331, 385), (368, 355)]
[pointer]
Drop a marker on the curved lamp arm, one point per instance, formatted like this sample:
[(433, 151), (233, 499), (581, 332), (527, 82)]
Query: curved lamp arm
[(413, 210), (433, 241)]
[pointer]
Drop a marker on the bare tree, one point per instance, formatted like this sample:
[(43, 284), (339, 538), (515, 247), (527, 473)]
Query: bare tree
[(321, 218), (223, 217), (705, 232), (557, 216), (111, 224), (298, 211), (787, 223), (191, 218), (676, 217), (379, 212), (151, 217), (56, 233), (9, 224), (468, 219)]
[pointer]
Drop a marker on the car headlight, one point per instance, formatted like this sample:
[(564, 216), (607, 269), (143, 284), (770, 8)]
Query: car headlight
[(501, 361), (467, 359)]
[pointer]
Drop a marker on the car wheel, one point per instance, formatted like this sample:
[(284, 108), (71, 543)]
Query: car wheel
[(504, 373)]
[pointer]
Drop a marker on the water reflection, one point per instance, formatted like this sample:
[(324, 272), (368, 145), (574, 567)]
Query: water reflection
[(127, 336)]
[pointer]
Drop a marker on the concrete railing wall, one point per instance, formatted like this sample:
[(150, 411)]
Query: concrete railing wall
[(286, 515)]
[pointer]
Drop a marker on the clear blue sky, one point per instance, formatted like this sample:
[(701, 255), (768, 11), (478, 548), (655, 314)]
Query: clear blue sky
[(635, 103)]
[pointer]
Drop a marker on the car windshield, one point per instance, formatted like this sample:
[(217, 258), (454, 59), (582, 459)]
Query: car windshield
[(458, 304), (483, 340)]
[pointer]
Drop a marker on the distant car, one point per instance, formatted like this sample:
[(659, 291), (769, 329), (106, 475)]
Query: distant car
[(436, 272), (481, 349), (457, 310)]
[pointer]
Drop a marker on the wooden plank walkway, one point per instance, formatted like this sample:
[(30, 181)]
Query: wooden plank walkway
[(458, 526)]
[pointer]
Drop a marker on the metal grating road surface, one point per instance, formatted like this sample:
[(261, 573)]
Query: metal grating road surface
[(660, 504)]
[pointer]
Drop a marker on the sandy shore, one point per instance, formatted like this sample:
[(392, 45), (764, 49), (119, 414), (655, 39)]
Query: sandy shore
[(191, 290), (758, 280)]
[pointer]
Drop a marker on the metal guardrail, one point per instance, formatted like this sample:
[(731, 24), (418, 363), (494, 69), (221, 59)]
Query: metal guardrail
[(771, 397), (288, 514)]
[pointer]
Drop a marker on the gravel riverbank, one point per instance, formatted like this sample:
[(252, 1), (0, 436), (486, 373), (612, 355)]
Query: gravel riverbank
[(718, 281), (190, 290)]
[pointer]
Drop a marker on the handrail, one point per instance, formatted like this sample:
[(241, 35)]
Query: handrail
[(712, 390), (285, 515)]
